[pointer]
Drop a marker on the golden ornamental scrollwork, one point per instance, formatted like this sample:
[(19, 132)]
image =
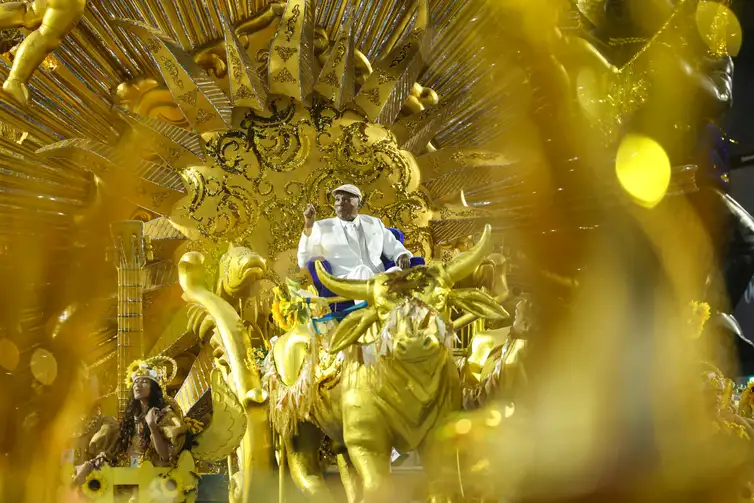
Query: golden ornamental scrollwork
[(263, 174)]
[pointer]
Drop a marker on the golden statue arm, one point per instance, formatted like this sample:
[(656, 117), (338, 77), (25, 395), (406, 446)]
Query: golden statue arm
[(51, 21), (246, 378)]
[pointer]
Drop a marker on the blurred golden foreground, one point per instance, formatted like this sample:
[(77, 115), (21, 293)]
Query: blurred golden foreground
[(613, 410)]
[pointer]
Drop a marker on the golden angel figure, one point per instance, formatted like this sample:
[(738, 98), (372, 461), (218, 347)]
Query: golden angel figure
[(51, 21)]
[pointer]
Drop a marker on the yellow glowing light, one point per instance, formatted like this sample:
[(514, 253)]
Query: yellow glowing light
[(463, 427), (482, 466), (509, 410), (494, 419), (719, 28), (9, 355), (643, 169), (44, 367)]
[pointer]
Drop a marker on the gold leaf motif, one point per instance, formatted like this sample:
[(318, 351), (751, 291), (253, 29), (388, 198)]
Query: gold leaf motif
[(236, 67), (340, 53), (243, 92), (171, 155), (332, 79), (373, 95), (203, 116), (189, 97), (290, 28), (460, 158), (284, 76), (158, 198), (401, 56), (172, 70), (285, 53), (383, 77), (252, 180), (153, 45)]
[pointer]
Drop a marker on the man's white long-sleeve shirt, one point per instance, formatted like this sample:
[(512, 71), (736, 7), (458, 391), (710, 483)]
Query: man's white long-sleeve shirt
[(350, 247)]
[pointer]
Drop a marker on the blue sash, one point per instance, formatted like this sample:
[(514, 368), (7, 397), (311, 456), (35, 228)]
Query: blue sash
[(337, 316)]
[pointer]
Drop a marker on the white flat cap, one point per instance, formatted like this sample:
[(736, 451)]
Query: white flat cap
[(349, 189)]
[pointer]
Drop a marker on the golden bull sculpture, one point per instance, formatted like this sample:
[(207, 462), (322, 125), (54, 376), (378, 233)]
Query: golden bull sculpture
[(384, 379)]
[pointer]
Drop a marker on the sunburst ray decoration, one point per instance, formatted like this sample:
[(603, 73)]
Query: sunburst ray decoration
[(179, 112), (227, 117), (251, 171)]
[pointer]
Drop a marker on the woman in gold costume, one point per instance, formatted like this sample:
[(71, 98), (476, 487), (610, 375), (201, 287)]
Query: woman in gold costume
[(152, 428)]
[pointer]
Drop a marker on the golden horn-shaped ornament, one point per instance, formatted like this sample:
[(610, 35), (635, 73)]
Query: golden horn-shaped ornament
[(466, 263), (349, 288)]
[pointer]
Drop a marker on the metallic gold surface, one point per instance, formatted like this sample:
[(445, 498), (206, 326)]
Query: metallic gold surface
[(242, 373), (198, 381), (205, 106), (336, 79), (51, 21), (149, 98), (246, 88), (139, 113), (291, 57), (131, 259), (383, 94), (228, 425), (394, 387)]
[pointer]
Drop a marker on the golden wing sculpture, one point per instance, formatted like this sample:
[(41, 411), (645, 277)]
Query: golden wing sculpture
[(224, 433)]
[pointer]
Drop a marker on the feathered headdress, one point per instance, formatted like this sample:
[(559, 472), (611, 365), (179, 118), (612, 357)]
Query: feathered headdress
[(155, 368)]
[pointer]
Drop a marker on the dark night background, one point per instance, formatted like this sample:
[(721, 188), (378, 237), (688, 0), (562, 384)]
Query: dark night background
[(741, 129)]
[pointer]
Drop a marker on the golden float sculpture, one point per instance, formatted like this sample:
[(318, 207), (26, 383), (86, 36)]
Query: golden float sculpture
[(209, 127), (239, 369), (395, 384)]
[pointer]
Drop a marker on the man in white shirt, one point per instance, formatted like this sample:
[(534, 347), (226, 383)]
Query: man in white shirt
[(353, 244)]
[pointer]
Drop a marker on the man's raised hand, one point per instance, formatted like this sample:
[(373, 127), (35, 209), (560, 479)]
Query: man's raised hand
[(310, 213)]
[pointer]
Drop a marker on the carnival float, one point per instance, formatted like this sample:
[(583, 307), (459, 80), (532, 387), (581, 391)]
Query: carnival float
[(161, 343)]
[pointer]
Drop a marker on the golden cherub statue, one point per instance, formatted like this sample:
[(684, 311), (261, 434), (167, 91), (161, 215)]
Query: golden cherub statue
[(51, 21)]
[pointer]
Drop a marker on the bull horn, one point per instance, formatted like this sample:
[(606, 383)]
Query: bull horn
[(466, 263), (354, 289)]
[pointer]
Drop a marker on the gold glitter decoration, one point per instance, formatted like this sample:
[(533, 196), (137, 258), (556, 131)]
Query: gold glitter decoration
[(243, 92), (373, 95), (332, 79), (203, 116), (189, 98), (274, 164), (383, 77), (284, 76), (623, 94), (285, 53), (593, 10), (611, 95), (619, 41)]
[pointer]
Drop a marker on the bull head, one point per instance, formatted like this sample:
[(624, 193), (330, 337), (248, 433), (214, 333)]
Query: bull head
[(428, 287)]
